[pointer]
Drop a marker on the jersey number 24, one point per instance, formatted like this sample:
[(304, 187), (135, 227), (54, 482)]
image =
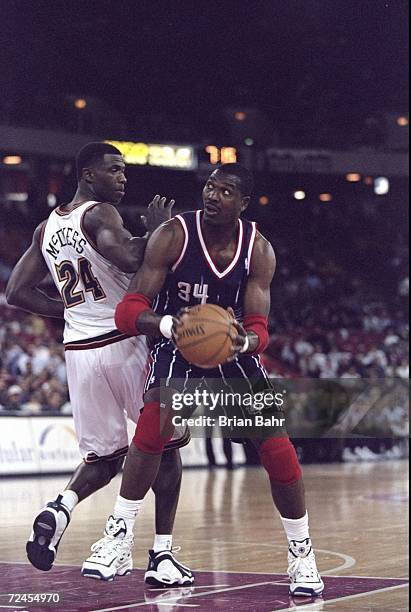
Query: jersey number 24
[(68, 274)]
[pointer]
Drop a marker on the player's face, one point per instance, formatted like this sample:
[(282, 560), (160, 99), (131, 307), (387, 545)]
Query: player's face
[(108, 179), (222, 199)]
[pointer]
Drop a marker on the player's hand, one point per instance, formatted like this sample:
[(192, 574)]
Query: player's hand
[(238, 337), (177, 323), (158, 211)]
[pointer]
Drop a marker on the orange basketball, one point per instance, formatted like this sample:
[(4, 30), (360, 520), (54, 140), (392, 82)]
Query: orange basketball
[(205, 335)]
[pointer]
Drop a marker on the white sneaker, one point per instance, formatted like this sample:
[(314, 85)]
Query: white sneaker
[(164, 570), (305, 580), (48, 528), (111, 554)]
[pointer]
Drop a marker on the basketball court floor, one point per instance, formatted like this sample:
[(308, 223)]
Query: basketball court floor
[(231, 537)]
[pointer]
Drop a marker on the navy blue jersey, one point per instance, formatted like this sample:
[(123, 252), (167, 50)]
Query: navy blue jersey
[(195, 278)]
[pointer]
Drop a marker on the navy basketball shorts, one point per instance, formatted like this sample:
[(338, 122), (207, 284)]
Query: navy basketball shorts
[(245, 376), (169, 369)]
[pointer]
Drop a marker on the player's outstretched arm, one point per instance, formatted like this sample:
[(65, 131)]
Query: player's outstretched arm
[(104, 225), (134, 314), (257, 298), (22, 289)]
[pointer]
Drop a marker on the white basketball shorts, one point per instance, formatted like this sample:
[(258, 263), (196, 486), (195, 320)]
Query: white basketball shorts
[(106, 386)]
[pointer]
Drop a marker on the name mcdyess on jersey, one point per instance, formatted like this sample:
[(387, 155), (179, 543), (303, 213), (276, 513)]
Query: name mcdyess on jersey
[(66, 236)]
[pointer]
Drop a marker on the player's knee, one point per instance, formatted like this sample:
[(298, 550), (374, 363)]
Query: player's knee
[(154, 429), (98, 473), (280, 460), (115, 466)]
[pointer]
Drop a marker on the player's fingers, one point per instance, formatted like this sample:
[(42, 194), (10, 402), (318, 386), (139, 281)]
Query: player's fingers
[(170, 204), (183, 310), (162, 202), (154, 201), (231, 311), (239, 328)]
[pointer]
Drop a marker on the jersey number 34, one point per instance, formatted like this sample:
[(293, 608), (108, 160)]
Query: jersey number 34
[(199, 291)]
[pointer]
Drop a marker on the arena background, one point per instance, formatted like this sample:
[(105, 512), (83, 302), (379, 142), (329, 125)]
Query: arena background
[(312, 96)]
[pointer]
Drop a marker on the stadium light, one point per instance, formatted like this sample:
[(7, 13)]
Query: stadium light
[(249, 142), (353, 177), (12, 160), (80, 103), (264, 200), (240, 116), (299, 194), (381, 185), (402, 121), (325, 197)]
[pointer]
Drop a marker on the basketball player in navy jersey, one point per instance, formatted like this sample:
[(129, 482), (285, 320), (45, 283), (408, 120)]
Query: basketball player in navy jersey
[(210, 256), (91, 256)]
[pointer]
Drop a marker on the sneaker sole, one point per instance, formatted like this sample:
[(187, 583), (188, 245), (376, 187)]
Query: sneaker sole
[(38, 551), (149, 578), (97, 575), (307, 591)]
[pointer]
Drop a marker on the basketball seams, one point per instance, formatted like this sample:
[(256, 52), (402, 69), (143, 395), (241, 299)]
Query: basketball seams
[(205, 338), (207, 333), (204, 320), (218, 310), (214, 357)]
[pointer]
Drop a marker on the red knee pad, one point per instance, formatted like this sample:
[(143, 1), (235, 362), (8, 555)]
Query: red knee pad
[(279, 458), (154, 429)]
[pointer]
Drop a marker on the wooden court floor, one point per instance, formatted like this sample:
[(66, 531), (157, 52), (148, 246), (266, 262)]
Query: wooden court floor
[(226, 523)]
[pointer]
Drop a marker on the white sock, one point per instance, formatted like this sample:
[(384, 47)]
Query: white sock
[(69, 499), (296, 529), (127, 509), (162, 542)]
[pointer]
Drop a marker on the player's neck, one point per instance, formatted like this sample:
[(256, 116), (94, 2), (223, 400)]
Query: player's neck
[(219, 234), (83, 194)]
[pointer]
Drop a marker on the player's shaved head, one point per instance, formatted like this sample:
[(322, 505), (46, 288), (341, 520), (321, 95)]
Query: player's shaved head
[(91, 153), (245, 177)]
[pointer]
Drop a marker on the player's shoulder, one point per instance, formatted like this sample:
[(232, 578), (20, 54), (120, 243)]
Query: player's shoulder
[(100, 210), (100, 214), (168, 233), (39, 232), (263, 256), (263, 244)]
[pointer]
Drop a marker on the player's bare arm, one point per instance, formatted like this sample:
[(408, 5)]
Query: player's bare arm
[(22, 289), (257, 295), (105, 226), (163, 250)]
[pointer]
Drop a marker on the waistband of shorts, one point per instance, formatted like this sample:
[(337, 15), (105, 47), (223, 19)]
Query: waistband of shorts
[(96, 342)]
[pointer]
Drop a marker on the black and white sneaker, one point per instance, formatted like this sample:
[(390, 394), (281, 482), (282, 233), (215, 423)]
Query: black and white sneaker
[(164, 570), (305, 581), (111, 555), (48, 528)]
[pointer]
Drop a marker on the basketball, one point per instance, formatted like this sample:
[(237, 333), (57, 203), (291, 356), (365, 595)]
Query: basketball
[(205, 335)]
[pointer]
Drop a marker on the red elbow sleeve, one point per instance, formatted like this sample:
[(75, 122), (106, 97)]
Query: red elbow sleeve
[(259, 325), (128, 311)]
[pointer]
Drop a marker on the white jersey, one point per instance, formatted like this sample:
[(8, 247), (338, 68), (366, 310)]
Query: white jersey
[(89, 284)]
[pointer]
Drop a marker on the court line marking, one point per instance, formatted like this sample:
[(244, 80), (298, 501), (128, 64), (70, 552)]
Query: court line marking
[(191, 586), (180, 605), (175, 599), (344, 598), (348, 560)]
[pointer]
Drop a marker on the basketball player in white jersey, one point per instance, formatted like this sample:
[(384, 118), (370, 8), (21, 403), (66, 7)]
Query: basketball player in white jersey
[(90, 256)]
